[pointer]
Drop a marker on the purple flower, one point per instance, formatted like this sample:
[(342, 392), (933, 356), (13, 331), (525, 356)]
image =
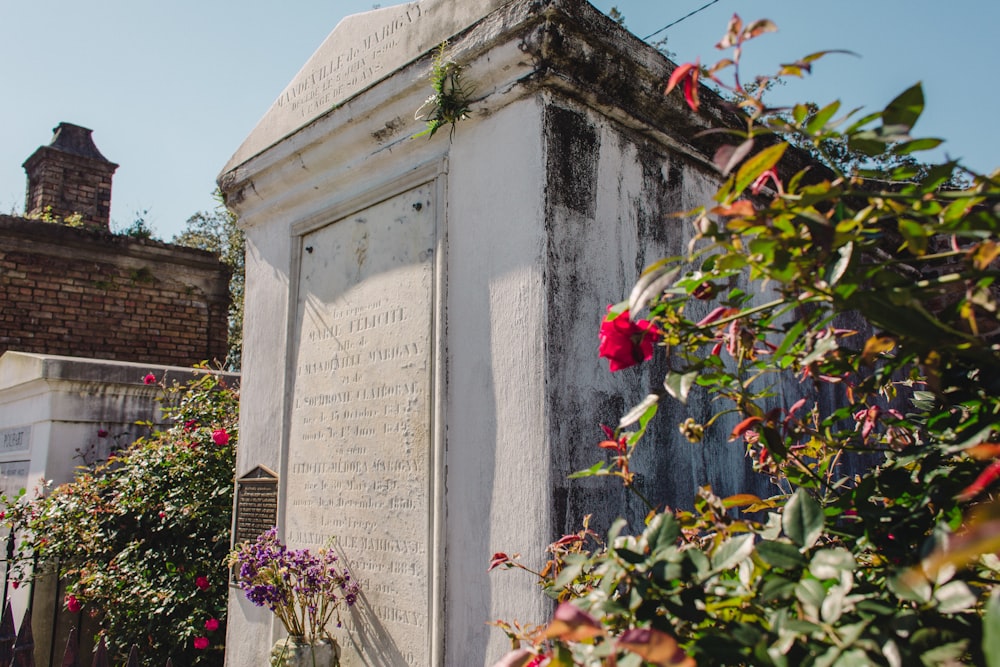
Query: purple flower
[(303, 589)]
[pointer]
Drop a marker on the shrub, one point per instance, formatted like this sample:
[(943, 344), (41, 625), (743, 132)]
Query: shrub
[(140, 541), (890, 567)]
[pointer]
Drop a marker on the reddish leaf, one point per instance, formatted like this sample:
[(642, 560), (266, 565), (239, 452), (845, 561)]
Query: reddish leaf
[(678, 74), (733, 33), (655, 647), (727, 157), (518, 658), (717, 314), (744, 426), (759, 27), (742, 208), (691, 91), (986, 477), (572, 624), (499, 558), (688, 73), (984, 451)]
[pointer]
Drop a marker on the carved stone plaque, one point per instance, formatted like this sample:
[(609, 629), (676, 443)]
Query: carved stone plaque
[(360, 446), (15, 440), (256, 504), (13, 477)]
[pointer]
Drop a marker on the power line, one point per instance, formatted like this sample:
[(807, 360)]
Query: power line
[(671, 25)]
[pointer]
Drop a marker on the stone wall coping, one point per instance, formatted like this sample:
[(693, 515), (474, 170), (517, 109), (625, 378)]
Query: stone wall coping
[(19, 368), (101, 242)]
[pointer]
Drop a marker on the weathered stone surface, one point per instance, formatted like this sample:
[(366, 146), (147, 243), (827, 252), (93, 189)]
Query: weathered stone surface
[(547, 203), (362, 50), (360, 449)]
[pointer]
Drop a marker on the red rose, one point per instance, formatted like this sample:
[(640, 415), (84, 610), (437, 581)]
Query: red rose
[(212, 624), (149, 379), (626, 343), (72, 604), (202, 583), (220, 437), (201, 643), (102, 433)]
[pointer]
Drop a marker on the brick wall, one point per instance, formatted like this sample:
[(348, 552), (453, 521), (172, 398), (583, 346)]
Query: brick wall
[(68, 184), (88, 293), (70, 177)]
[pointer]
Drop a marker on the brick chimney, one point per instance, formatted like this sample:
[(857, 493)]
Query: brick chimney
[(71, 176)]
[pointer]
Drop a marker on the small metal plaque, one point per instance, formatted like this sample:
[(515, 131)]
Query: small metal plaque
[(256, 504)]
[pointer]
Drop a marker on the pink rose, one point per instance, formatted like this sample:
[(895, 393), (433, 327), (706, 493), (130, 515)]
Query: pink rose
[(202, 583), (149, 379), (212, 624), (201, 643), (626, 343), (220, 437), (72, 604)]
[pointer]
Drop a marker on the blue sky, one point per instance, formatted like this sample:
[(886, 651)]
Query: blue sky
[(172, 89)]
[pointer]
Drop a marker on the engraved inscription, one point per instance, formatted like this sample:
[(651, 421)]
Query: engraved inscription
[(359, 460), (356, 65), (13, 477), (15, 440)]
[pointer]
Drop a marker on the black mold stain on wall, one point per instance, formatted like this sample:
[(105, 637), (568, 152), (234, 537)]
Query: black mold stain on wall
[(573, 147)]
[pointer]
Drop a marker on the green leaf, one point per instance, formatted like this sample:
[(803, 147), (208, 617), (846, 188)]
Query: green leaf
[(652, 283), (953, 597), (810, 592), (802, 519), (662, 531), (840, 267), (991, 631), (572, 568), (780, 554), (777, 588), (915, 236), (679, 385), (908, 147), (829, 563), (757, 165), (909, 586), (905, 109), (818, 122), (595, 470), (645, 409), (731, 552)]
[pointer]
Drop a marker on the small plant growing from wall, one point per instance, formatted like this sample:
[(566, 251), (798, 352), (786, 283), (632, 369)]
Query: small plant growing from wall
[(450, 101)]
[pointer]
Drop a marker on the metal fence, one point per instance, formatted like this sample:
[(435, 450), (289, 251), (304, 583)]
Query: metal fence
[(17, 648)]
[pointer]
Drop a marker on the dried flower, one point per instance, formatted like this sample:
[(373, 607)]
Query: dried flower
[(301, 588)]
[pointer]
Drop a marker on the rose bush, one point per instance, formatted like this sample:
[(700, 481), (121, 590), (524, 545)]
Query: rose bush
[(879, 293), (140, 541)]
